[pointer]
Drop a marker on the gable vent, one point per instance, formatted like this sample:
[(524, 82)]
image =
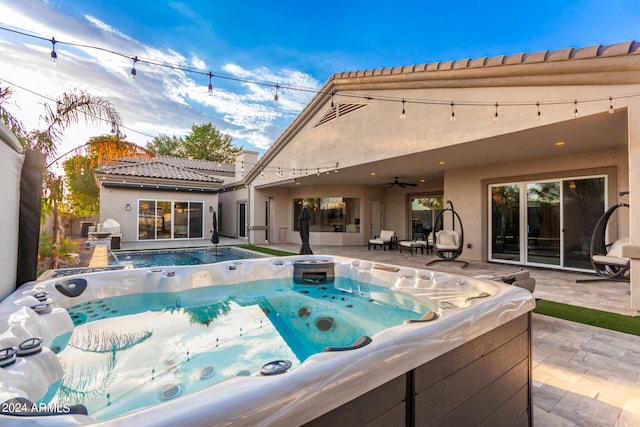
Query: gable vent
[(339, 110)]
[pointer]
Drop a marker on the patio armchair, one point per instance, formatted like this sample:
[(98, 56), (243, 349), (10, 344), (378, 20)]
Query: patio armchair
[(387, 238)]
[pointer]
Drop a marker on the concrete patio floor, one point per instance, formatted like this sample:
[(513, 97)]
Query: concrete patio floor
[(583, 375)]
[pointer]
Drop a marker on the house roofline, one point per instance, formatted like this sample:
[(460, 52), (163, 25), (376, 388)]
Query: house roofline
[(615, 64)]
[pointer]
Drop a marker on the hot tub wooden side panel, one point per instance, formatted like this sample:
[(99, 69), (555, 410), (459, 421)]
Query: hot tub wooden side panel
[(487, 380), (382, 406)]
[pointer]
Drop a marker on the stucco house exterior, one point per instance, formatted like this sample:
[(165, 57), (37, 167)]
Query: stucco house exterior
[(531, 149), (167, 198)]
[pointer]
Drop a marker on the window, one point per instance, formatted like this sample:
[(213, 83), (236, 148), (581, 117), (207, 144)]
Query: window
[(545, 222), (424, 211), (329, 214), (166, 219)]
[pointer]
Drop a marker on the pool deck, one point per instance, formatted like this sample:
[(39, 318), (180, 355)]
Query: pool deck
[(583, 375)]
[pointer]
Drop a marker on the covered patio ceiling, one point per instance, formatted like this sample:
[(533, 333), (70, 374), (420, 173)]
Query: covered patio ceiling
[(590, 133)]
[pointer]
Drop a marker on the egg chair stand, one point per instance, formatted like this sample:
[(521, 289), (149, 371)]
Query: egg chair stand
[(606, 258), (448, 243)]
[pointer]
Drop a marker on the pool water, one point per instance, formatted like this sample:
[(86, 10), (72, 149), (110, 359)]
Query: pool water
[(154, 258), (128, 352)]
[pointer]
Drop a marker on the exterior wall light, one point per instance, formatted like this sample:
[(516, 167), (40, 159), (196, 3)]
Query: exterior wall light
[(127, 207)]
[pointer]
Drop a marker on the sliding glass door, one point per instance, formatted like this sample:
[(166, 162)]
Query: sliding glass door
[(505, 222), (165, 219), (545, 222)]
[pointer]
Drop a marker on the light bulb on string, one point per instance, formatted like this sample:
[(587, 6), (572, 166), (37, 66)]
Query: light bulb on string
[(611, 110), (275, 97), (133, 69), (495, 116), (403, 115), (54, 55), (332, 104), (453, 113), (575, 111), (210, 88), (539, 113)]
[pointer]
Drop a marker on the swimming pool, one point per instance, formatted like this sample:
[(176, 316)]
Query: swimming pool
[(193, 256), (456, 330)]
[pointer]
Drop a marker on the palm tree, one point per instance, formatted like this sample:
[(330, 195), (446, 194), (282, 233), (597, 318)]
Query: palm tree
[(71, 108)]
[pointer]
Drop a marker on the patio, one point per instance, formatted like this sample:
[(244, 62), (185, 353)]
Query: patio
[(583, 375)]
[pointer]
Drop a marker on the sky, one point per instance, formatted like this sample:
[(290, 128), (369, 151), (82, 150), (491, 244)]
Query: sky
[(250, 46)]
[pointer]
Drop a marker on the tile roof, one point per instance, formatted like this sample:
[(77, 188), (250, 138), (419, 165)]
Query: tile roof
[(159, 168), (193, 164), (619, 49)]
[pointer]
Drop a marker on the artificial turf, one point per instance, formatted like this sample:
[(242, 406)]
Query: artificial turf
[(267, 251), (589, 316)]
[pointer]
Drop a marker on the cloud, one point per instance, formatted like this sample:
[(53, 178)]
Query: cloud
[(161, 100)]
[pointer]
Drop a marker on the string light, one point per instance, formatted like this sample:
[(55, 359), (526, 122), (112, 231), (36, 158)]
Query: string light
[(133, 69), (403, 115), (495, 117), (210, 88), (275, 98), (315, 91), (54, 55), (332, 93), (453, 113), (277, 86)]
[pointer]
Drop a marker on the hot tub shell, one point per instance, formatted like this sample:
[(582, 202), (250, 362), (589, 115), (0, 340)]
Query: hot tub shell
[(470, 366)]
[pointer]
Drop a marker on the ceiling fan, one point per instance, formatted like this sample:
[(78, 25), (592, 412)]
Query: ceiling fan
[(401, 184)]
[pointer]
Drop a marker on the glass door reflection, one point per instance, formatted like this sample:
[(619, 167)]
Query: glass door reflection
[(543, 223)]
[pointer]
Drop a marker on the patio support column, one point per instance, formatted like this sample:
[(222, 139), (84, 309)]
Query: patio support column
[(632, 250)]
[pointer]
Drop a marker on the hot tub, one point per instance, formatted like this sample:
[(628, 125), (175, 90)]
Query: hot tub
[(401, 346)]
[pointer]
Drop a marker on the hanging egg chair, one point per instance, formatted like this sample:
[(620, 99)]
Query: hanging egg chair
[(448, 242)]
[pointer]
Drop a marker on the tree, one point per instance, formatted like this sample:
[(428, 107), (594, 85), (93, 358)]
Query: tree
[(205, 142), (83, 196)]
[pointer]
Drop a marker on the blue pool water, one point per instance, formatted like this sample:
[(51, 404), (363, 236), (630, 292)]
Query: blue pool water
[(127, 352), (142, 259)]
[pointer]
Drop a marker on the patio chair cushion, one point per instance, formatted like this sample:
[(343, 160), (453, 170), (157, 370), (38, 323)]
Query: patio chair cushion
[(387, 235), (413, 243), (614, 255), (447, 240)]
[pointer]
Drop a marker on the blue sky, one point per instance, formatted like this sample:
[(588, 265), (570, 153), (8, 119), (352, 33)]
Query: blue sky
[(298, 44)]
